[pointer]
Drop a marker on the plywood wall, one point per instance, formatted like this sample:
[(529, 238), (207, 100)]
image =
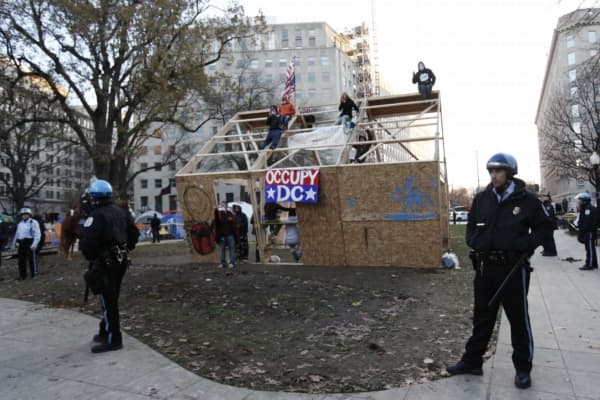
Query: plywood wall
[(367, 215)]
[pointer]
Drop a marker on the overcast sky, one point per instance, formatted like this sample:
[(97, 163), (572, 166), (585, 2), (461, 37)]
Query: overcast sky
[(489, 57)]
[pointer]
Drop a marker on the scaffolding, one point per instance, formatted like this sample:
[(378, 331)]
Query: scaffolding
[(383, 180)]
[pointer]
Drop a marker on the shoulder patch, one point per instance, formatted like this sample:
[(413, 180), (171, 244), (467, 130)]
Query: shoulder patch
[(88, 222), (587, 212)]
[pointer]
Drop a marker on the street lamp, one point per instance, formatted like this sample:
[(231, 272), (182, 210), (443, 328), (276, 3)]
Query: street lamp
[(595, 161)]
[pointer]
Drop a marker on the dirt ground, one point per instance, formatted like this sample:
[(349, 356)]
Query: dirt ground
[(284, 328)]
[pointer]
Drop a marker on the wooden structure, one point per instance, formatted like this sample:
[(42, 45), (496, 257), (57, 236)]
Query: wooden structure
[(389, 207)]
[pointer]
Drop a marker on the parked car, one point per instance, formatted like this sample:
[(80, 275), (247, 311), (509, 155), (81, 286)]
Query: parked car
[(462, 214)]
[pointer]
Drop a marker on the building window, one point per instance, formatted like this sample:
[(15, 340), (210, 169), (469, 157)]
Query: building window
[(312, 92), (282, 62), (312, 76), (325, 60), (577, 129), (157, 166), (269, 78), (593, 52), (312, 40), (144, 183), (284, 39), (144, 201), (592, 36), (298, 39), (143, 165), (575, 110), (325, 76), (254, 64), (158, 183), (271, 40), (268, 63), (572, 75), (214, 130), (298, 77), (570, 40), (571, 58), (311, 61), (573, 91), (157, 150), (239, 64)]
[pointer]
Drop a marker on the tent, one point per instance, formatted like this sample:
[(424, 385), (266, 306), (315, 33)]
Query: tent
[(174, 225), (146, 216)]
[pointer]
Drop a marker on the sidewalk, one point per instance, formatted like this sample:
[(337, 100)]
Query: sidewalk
[(45, 353)]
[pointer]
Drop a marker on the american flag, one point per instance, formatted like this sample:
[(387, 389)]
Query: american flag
[(290, 80)]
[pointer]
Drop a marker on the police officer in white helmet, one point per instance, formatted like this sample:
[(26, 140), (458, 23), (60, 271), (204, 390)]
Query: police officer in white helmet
[(27, 237)]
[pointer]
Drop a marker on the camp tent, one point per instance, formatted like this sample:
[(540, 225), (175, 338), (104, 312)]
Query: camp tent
[(174, 225)]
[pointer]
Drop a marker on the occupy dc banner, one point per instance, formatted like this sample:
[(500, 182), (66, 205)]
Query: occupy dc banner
[(296, 185)]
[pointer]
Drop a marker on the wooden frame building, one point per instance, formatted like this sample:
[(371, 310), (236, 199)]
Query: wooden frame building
[(382, 204)]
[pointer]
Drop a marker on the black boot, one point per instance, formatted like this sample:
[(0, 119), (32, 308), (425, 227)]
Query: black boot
[(100, 338), (104, 347), (522, 380), (463, 368)]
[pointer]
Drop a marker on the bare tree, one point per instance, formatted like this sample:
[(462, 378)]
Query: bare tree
[(32, 143), (127, 63), (571, 127)]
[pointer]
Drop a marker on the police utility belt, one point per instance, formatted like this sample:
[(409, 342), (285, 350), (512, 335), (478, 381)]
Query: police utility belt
[(495, 258)]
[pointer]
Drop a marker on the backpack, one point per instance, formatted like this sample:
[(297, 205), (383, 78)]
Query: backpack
[(203, 238)]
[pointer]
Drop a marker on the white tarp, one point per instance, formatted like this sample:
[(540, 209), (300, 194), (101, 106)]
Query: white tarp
[(319, 139)]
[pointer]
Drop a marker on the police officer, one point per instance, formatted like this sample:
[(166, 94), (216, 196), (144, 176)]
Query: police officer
[(505, 225), (107, 235), (27, 236), (550, 244), (587, 233)]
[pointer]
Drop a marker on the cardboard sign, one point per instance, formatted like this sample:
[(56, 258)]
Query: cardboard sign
[(295, 185)]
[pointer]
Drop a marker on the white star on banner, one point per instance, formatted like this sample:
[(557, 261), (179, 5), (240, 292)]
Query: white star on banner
[(310, 194), (271, 193)]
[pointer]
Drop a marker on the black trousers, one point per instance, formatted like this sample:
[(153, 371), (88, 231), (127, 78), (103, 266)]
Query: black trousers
[(155, 235), (242, 247), (26, 256), (550, 245), (591, 259), (514, 302), (109, 301)]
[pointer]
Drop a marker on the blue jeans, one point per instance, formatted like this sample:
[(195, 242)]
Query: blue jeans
[(285, 120), (343, 119), (272, 138), (227, 241), (425, 90)]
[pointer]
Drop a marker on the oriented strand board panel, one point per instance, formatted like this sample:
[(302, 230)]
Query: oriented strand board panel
[(320, 224), (198, 202), (391, 214)]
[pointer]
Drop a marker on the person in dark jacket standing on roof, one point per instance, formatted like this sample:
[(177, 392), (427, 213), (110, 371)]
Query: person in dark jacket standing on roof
[(27, 236), (107, 235), (506, 224), (587, 233), (426, 79)]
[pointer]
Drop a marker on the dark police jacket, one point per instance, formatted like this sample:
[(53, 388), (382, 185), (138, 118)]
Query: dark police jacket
[(519, 223), (106, 226), (587, 221)]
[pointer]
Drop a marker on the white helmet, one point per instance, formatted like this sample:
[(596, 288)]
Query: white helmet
[(25, 210)]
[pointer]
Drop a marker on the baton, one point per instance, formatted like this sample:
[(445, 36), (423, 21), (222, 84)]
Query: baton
[(505, 281)]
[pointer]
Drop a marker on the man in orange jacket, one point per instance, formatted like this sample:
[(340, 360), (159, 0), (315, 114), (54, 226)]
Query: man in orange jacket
[(286, 111)]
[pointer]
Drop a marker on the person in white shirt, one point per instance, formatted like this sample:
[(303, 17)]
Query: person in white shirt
[(27, 237)]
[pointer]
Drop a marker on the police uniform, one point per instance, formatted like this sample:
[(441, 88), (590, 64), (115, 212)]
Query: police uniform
[(550, 244), (504, 228), (27, 236), (106, 235), (587, 234), (500, 231)]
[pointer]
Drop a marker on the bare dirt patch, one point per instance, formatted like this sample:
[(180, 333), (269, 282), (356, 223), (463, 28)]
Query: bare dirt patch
[(287, 328)]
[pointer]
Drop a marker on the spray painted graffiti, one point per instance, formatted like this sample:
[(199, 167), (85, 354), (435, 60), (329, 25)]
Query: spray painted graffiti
[(414, 204)]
